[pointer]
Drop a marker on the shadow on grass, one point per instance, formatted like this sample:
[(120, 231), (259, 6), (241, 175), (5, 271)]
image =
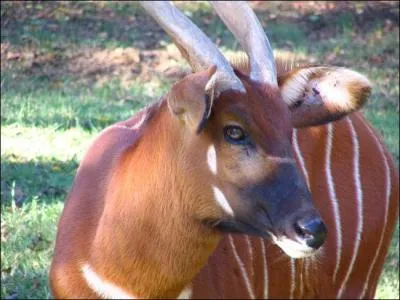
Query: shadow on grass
[(54, 35), (63, 27), (69, 24), (43, 180)]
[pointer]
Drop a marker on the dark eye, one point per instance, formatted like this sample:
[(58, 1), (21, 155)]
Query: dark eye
[(235, 135)]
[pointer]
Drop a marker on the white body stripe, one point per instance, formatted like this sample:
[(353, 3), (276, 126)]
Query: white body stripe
[(242, 268), (359, 198), (102, 287), (263, 253), (301, 278), (221, 200), (292, 277), (333, 199), (306, 269), (307, 266), (387, 195), (212, 159), (133, 128), (300, 156), (121, 127), (140, 123), (250, 248)]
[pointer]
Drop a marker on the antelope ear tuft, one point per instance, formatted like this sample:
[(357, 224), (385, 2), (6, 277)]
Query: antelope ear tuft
[(319, 95)]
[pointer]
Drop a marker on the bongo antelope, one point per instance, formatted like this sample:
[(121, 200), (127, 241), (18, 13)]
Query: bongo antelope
[(250, 179)]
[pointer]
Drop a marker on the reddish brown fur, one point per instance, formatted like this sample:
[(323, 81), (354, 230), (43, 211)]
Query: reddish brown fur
[(119, 212), (221, 277), (133, 220), (126, 232)]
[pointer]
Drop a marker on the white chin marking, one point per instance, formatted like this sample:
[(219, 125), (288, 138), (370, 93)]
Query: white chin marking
[(212, 159), (292, 248), (221, 200)]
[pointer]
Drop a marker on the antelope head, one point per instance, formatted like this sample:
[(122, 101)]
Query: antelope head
[(236, 153)]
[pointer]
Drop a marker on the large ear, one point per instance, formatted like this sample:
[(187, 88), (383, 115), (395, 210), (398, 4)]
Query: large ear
[(318, 95), (191, 99)]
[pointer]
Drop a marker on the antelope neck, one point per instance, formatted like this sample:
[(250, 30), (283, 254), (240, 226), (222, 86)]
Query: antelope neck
[(160, 246)]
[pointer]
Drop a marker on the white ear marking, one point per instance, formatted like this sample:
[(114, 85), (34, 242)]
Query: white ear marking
[(332, 82), (293, 89), (212, 159), (221, 200)]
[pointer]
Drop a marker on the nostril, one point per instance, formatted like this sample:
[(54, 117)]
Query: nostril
[(302, 231), (313, 231)]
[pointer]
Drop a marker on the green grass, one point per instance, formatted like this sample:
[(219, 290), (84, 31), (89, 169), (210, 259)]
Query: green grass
[(28, 241), (48, 122), (98, 25), (67, 106)]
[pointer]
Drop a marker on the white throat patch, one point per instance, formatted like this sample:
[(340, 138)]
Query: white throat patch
[(186, 293), (102, 287)]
